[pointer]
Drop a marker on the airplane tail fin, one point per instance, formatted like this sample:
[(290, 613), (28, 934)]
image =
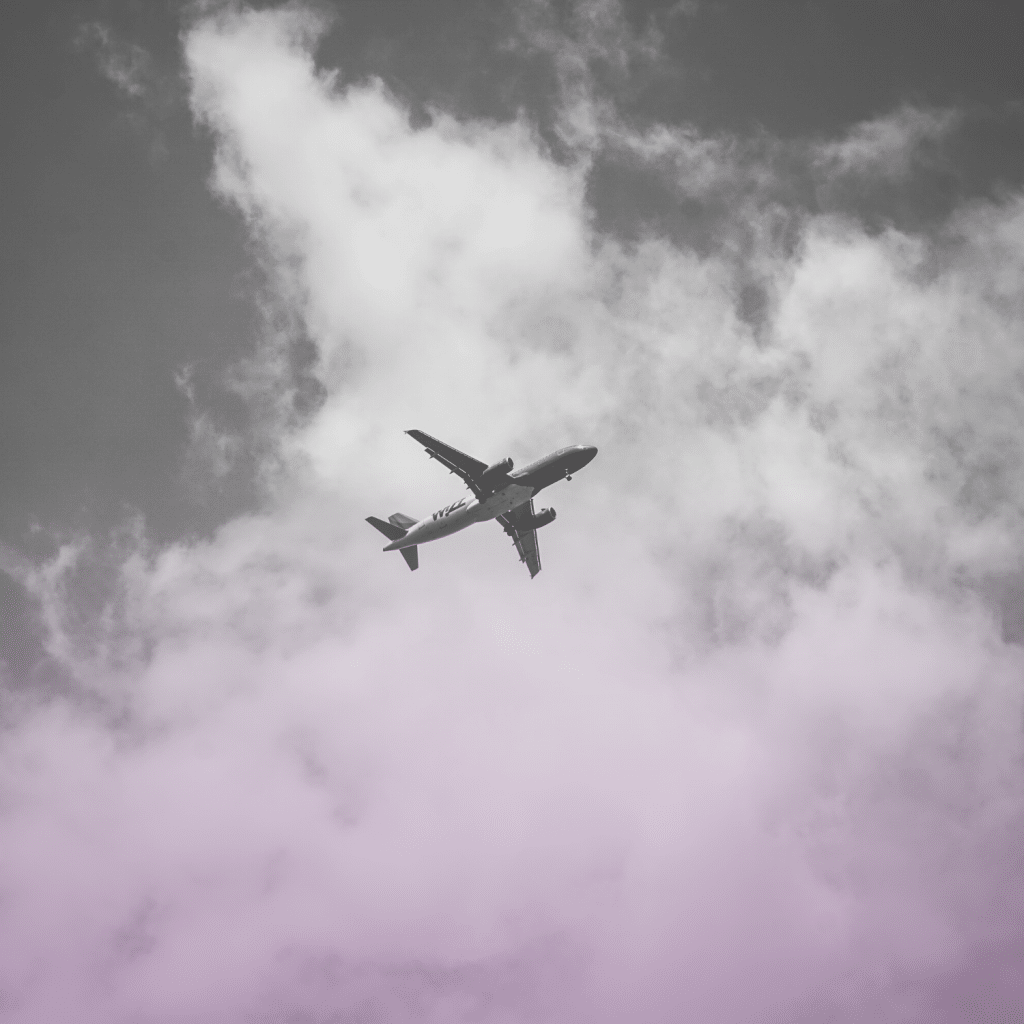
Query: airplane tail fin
[(396, 529), (390, 530)]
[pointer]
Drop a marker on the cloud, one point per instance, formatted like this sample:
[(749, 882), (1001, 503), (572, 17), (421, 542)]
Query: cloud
[(887, 147), (684, 9), (596, 57), (149, 91), (601, 61), (126, 64), (749, 747)]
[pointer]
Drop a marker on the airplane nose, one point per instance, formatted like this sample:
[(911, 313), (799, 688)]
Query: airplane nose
[(589, 451)]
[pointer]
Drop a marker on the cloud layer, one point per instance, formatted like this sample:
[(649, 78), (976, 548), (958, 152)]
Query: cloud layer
[(749, 748)]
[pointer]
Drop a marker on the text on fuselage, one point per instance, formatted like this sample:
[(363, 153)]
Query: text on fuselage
[(449, 509)]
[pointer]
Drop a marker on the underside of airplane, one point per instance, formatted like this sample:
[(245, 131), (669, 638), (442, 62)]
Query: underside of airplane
[(498, 492)]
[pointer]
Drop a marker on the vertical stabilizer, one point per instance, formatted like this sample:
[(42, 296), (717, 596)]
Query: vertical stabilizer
[(411, 556)]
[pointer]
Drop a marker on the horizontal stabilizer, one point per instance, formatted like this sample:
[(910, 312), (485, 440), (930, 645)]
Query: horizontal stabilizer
[(390, 530), (403, 521), (411, 556)]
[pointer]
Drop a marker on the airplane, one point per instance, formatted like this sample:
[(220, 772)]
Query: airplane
[(498, 493)]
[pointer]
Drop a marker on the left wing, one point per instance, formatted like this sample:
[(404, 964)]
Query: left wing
[(525, 540), (462, 465)]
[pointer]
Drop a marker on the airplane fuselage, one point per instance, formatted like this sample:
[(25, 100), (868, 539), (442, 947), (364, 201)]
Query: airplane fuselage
[(513, 490)]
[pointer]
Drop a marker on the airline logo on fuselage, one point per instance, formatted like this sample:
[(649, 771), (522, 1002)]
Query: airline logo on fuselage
[(449, 509)]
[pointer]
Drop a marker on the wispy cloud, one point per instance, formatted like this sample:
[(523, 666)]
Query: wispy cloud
[(601, 59), (595, 54), (887, 147), (126, 64), (151, 93)]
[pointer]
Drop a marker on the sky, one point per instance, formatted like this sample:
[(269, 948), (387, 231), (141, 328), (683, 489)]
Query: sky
[(749, 748)]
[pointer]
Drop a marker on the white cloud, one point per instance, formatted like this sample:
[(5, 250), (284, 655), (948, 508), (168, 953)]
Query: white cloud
[(749, 743), (889, 146)]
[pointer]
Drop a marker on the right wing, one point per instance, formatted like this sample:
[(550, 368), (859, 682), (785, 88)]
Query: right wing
[(462, 465), (525, 540)]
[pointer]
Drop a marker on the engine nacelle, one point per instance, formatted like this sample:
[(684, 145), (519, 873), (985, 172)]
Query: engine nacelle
[(542, 518), (492, 474)]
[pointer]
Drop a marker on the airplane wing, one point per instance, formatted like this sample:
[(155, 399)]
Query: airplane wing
[(462, 465), (524, 540)]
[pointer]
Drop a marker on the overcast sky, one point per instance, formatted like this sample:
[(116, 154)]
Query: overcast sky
[(750, 746)]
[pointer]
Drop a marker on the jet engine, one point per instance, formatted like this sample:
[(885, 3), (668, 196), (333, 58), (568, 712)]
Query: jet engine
[(542, 518), (492, 474)]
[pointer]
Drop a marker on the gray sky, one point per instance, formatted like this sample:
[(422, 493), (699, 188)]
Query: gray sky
[(750, 744)]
